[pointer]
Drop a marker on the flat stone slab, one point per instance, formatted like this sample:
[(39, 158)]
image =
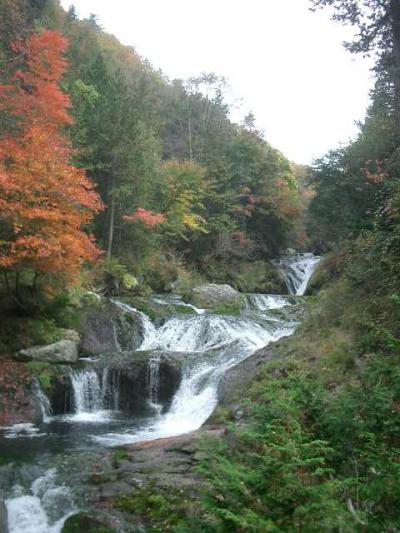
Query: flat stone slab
[(65, 351)]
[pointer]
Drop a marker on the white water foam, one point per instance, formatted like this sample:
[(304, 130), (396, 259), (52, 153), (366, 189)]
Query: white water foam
[(44, 402), (43, 509), (204, 333), (265, 302), (26, 429), (95, 396)]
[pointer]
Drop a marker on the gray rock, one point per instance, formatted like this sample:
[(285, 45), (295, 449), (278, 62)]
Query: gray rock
[(213, 295), (65, 351), (105, 327), (237, 380)]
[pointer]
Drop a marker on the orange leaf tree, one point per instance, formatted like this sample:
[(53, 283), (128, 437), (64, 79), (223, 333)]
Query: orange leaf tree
[(45, 202)]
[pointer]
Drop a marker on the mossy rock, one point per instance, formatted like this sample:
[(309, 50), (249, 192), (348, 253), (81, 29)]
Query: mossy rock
[(232, 309), (84, 523)]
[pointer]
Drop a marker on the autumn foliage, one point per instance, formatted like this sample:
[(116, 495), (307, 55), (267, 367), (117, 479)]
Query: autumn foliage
[(45, 201), (145, 217)]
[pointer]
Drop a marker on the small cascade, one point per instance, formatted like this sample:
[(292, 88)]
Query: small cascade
[(42, 509), (148, 326), (94, 392), (297, 270), (153, 383), (265, 302), (44, 402), (88, 392), (206, 332)]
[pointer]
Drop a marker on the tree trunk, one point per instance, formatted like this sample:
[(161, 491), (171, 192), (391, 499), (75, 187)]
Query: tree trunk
[(190, 138), (111, 228)]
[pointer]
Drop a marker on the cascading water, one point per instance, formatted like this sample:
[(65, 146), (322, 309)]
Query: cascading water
[(44, 402), (94, 394), (297, 270), (212, 344), (265, 302), (43, 508), (153, 383)]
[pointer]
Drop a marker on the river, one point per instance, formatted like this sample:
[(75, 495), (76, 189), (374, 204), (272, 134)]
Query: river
[(40, 481)]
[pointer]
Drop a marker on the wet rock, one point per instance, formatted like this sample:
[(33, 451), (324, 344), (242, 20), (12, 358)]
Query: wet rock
[(236, 381), (65, 351), (106, 327), (108, 490), (3, 517), (127, 375), (213, 295), (134, 384)]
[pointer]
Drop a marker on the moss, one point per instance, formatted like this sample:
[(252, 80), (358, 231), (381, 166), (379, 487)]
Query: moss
[(161, 510), (143, 305), (120, 455), (228, 309), (247, 276), (220, 416), (83, 523), (44, 372), (44, 331)]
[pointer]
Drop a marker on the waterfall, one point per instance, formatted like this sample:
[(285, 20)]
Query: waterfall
[(214, 343), (44, 402), (94, 392), (148, 326), (153, 383), (88, 392), (297, 270)]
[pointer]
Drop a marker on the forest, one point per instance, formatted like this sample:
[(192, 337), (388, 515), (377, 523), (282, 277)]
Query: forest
[(119, 181), (159, 170)]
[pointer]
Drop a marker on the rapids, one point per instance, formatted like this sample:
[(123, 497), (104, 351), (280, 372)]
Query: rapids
[(38, 497)]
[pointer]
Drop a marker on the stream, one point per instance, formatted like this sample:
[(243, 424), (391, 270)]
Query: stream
[(40, 482)]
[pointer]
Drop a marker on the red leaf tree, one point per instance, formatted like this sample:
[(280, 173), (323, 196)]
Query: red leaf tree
[(45, 202), (145, 217)]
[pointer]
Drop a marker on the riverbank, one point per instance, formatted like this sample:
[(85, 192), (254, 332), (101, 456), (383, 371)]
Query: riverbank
[(309, 443)]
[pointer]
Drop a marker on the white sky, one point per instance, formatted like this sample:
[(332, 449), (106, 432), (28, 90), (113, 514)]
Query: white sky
[(285, 63)]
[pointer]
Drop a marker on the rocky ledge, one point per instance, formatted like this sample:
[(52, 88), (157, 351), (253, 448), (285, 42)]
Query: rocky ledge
[(119, 484)]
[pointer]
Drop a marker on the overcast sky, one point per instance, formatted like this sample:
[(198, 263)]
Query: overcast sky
[(283, 62)]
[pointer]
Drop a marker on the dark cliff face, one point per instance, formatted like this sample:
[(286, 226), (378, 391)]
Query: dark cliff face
[(129, 373)]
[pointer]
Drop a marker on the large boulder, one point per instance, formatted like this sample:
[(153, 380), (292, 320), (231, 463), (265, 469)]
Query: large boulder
[(109, 327), (237, 380), (212, 295), (65, 351)]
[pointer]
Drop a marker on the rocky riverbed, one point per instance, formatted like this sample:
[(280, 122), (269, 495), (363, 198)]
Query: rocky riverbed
[(144, 382)]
